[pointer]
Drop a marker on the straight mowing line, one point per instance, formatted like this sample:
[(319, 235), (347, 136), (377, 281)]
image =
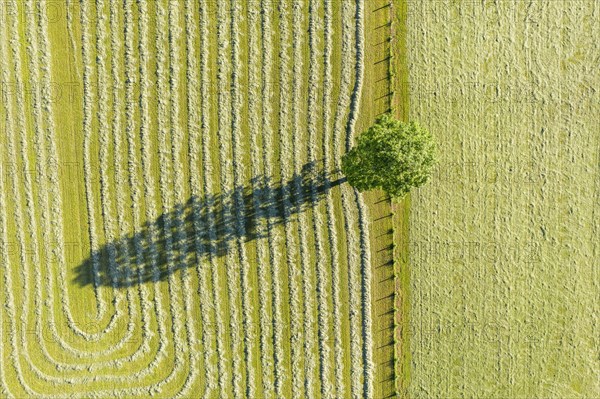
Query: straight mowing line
[(193, 126), (209, 202), (308, 321), (19, 214), (224, 134), (286, 173), (195, 183), (238, 171), (180, 232), (254, 127), (279, 368)]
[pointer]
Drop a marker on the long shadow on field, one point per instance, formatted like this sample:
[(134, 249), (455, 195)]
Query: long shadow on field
[(205, 227)]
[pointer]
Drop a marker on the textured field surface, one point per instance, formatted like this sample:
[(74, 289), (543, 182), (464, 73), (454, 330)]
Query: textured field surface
[(171, 218), (504, 241)]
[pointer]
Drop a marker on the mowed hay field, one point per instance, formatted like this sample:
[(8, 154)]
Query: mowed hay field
[(504, 240), (172, 219)]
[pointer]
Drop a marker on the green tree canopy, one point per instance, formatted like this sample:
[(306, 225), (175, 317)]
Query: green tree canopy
[(391, 155)]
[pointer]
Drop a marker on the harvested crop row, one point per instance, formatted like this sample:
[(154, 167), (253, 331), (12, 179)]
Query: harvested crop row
[(31, 50), (353, 258), (238, 200), (52, 162), (17, 195), (8, 289), (216, 172), (177, 138), (148, 182), (209, 203), (327, 154), (133, 178), (314, 28), (120, 181), (88, 101), (41, 157), (254, 123), (32, 225), (367, 351), (29, 195), (193, 127), (164, 103), (279, 369), (103, 138), (224, 134), (58, 365), (18, 214), (285, 96), (343, 103), (9, 301), (309, 346), (133, 170), (197, 90)]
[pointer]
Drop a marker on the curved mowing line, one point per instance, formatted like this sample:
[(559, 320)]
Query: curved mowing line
[(321, 272), (331, 219), (353, 259), (273, 239), (31, 208), (87, 131), (30, 203), (230, 100), (133, 170), (32, 225), (104, 143), (52, 163), (123, 225), (113, 362), (8, 285), (16, 193), (342, 106), (103, 138), (38, 124), (8, 282), (286, 174), (239, 172), (367, 350), (14, 335)]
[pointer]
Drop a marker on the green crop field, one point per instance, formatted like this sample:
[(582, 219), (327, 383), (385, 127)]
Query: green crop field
[(504, 253)]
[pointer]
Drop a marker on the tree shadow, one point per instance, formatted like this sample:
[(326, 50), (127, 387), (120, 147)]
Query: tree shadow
[(203, 227)]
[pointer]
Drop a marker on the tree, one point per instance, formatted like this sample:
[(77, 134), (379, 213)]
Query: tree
[(391, 155)]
